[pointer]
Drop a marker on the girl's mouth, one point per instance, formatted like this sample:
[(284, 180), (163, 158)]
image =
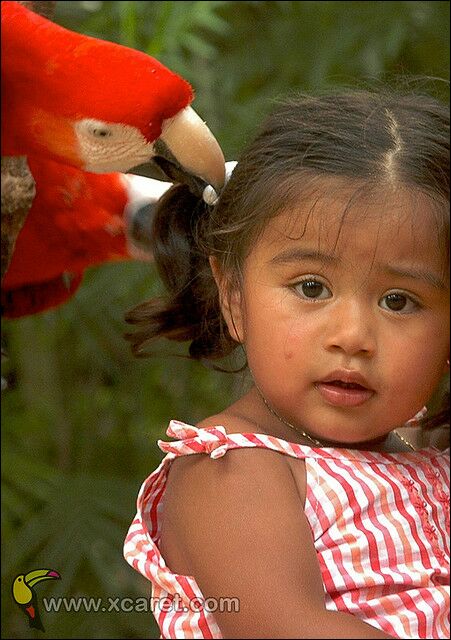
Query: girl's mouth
[(343, 394)]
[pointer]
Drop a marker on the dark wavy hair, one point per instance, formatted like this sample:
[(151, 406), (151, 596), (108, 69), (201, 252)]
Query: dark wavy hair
[(374, 139)]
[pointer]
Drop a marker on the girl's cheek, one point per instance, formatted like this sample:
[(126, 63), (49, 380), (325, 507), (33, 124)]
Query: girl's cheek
[(301, 336)]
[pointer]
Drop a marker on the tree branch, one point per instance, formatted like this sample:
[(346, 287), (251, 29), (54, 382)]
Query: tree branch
[(18, 187)]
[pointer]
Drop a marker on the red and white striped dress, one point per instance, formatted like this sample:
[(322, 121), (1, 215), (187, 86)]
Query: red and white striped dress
[(380, 524)]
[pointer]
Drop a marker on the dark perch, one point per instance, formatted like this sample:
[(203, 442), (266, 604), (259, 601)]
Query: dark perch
[(18, 187)]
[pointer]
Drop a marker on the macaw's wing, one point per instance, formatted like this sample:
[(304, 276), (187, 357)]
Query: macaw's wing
[(34, 298), (77, 220)]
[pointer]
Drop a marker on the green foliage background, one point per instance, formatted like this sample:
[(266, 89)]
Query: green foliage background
[(80, 416)]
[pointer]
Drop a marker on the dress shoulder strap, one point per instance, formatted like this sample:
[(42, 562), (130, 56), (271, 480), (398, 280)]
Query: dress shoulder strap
[(215, 441)]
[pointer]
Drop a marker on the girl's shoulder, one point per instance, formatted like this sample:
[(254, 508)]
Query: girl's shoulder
[(269, 461), (234, 522), (223, 489), (234, 421), (201, 486), (243, 466)]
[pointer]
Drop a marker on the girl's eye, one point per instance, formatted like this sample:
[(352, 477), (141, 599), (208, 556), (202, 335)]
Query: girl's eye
[(398, 302), (312, 289)]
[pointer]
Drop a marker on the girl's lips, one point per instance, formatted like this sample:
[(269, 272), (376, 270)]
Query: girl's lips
[(342, 396)]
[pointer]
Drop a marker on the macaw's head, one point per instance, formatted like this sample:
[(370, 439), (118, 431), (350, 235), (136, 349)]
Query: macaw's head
[(94, 104)]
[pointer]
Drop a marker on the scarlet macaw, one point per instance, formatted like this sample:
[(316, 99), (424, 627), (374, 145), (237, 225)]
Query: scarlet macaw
[(90, 105), (95, 105), (77, 219)]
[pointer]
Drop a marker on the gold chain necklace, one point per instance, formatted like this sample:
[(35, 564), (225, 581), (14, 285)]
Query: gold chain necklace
[(406, 442), (310, 438), (316, 442)]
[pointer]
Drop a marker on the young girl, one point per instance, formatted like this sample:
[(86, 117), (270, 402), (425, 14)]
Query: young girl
[(299, 511)]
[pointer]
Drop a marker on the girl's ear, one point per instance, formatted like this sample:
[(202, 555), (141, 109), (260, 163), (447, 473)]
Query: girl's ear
[(230, 302)]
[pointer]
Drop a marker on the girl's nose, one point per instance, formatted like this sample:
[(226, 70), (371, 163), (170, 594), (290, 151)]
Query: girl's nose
[(351, 330)]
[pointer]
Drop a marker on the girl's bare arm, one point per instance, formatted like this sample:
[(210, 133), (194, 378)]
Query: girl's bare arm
[(237, 525)]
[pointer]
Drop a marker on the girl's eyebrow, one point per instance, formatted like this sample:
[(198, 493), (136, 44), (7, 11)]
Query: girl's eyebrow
[(417, 274), (296, 254)]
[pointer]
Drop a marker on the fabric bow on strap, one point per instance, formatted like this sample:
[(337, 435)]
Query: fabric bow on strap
[(212, 441)]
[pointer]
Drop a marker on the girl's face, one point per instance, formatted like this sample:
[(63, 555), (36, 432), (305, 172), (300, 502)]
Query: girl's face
[(346, 322)]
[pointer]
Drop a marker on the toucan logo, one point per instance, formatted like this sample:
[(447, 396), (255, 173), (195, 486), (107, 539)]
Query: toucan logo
[(25, 596)]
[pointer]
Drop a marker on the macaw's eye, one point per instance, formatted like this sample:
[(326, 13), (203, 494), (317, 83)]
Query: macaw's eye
[(101, 133), (94, 128)]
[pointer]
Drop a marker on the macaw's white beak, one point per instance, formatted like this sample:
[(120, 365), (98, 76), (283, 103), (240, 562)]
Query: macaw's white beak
[(194, 146)]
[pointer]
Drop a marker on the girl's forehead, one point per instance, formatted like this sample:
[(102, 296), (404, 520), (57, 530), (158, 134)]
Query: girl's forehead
[(399, 223)]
